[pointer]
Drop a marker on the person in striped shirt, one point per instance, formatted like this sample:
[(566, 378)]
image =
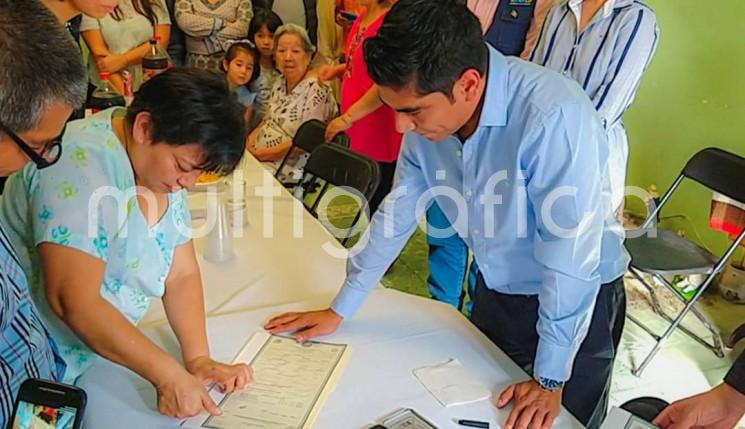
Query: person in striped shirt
[(604, 45), (37, 95)]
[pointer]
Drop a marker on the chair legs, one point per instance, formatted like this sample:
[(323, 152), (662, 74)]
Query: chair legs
[(716, 347), (736, 336)]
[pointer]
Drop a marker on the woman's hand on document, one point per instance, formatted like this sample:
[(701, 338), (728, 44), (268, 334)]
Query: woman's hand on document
[(228, 378)]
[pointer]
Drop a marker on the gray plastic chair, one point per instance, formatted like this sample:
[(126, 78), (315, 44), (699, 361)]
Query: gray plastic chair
[(661, 253)]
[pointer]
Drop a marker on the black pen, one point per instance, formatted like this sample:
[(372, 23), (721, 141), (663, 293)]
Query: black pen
[(474, 424)]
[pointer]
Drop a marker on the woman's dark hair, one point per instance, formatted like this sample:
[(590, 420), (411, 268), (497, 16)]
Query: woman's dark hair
[(251, 50), (190, 106), (145, 8), (264, 17), (427, 43)]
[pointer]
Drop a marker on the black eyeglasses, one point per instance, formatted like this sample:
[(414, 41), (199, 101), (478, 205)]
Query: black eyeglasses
[(49, 155)]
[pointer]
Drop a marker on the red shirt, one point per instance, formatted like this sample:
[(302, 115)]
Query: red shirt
[(375, 135)]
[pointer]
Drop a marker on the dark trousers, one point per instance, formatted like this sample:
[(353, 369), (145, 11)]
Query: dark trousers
[(510, 322), (387, 171)]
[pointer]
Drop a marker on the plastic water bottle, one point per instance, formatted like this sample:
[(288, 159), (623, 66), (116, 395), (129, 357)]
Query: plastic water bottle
[(155, 61), (104, 96)]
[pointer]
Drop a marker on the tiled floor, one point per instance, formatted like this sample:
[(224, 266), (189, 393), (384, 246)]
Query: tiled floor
[(681, 368)]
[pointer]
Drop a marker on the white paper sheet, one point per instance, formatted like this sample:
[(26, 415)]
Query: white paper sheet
[(451, 384)]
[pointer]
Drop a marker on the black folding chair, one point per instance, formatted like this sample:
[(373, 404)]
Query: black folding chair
[(646, 408), (666, 254), (335, 165), (308, 137), (737, 335)]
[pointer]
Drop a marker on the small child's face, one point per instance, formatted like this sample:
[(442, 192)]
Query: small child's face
[(264, 41), (240, 69)]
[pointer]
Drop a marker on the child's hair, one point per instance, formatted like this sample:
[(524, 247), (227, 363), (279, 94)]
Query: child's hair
[(264, 17), (248, 47)]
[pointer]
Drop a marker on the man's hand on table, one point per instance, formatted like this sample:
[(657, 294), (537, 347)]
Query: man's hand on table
[(307, 325), (228, 377), (720, 408), (532, 406)]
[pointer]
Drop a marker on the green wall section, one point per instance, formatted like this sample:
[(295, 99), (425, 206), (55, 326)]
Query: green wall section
[(692, 97)]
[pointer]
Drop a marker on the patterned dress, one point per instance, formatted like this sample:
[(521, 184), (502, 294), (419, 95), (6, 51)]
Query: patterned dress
[(287, 111), (262, 86), (87, 202)]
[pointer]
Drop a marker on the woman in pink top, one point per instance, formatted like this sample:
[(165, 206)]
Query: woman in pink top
[(370, 125)]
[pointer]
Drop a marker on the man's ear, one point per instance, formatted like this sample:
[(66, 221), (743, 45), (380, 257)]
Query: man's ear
[(469, 84)]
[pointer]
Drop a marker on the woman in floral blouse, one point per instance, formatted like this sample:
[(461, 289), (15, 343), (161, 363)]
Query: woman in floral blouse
[(106, 230)]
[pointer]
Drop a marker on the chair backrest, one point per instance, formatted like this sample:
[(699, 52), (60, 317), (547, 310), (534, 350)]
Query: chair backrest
[(342, 139), (308, 137), (718, 170), (339, 166)]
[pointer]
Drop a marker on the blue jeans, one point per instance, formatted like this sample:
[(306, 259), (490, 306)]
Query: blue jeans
[(448, 263)]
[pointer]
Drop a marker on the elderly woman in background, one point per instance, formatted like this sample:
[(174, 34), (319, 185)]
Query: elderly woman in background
[(296, 97), (208, 24), (119, 40)]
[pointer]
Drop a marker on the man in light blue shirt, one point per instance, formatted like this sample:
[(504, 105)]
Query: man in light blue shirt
[(515, 155)]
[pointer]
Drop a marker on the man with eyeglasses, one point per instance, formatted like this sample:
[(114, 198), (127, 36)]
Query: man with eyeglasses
[(42, 80)]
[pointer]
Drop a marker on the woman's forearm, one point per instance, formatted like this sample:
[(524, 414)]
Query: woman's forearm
[(339, 70), (369, 103), (273, 153), (109, 334), (184, 305), (117, 81)]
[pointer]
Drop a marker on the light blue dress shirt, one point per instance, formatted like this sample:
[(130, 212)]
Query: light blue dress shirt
[(538, 140), (607, 58)]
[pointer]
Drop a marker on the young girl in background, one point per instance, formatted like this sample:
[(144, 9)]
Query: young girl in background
[(241, 66), (261, 33)]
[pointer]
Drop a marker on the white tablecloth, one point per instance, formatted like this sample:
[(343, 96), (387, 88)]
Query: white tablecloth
[(392, 334), (282, 257)]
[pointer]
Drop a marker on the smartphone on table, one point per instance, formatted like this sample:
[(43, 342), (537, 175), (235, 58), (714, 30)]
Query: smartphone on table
[(43, 404)]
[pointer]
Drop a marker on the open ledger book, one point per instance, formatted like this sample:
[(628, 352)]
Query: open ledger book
[(291, 383)]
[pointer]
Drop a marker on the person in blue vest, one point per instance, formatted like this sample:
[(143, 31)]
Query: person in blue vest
[(512, 27), (516, 157)]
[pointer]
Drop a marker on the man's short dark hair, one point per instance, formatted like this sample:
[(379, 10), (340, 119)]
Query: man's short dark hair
[(427, 43), (190, 106), (40, 64)]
